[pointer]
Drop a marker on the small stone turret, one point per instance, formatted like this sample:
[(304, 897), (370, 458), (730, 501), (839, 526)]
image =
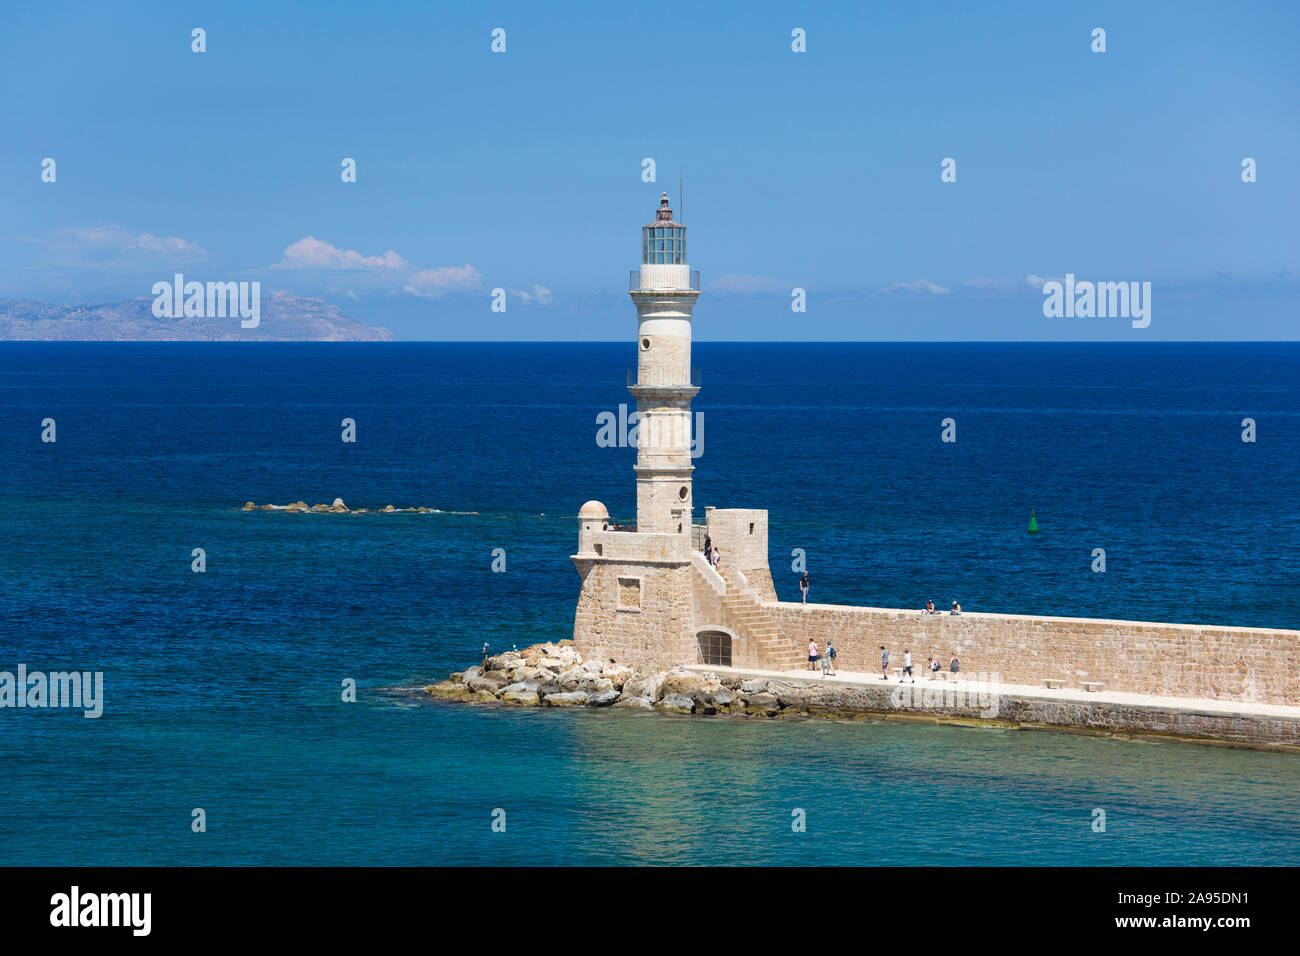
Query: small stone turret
[(593, 518)]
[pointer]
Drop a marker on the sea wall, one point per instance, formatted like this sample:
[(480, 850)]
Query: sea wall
[(1256, 665), (555, 675)]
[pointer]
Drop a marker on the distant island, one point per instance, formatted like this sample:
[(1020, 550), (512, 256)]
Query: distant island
[(285, 317)]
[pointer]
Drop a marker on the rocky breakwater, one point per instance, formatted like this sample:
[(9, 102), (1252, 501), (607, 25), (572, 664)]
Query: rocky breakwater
[(555, 675), (337, 508)]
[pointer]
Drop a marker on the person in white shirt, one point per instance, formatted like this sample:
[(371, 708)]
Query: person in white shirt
[(907, 667)]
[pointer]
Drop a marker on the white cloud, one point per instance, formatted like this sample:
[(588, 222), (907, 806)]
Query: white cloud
[(1037, 282), (433, 283), (312, 253), (105, 243), (389, 271), (919, 287), (539, 296)]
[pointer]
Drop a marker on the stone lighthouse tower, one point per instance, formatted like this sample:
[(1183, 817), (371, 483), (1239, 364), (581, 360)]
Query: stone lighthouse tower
[(648, 597), (664, 292)]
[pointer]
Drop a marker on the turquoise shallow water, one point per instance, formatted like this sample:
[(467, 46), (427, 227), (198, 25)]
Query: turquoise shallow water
[(223, 688)]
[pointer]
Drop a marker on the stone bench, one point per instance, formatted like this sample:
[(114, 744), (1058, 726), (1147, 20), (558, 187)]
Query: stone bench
[(1092, 686), (1052, 683)]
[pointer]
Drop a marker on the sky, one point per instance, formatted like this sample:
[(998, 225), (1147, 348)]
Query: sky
[(524, 170)]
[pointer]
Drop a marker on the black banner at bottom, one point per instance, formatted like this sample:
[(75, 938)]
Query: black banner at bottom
[(341, 905)]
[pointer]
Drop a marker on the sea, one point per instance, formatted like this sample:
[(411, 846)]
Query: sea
[(227, 736)]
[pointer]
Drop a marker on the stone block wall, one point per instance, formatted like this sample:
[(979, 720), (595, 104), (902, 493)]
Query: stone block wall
[(636, 613), (1176, 660)]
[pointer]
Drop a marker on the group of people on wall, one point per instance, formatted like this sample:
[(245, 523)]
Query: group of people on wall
[(828, 660)]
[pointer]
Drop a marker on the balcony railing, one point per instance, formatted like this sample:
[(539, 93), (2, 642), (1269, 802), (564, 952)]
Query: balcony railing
[(661, 378), (634, 283)]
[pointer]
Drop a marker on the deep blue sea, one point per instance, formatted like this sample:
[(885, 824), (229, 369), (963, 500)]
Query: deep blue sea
[(223, 689)]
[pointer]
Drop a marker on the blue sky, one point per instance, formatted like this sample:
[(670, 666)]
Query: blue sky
[(522, 170)]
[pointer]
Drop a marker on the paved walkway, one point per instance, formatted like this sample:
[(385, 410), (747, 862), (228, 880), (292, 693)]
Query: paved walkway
[(1195, 705)]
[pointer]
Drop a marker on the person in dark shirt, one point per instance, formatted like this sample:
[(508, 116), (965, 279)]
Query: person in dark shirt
[(803, 586)]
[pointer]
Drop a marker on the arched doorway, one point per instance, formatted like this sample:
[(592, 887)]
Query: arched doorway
[(715, 648)]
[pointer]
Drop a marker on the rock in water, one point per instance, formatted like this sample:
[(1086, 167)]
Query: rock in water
[(571, 699), (521, 696), (641, 703), (676, 703), (449, 690)]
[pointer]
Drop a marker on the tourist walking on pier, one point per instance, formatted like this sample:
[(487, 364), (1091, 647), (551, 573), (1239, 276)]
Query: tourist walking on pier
[(954, 665), (830, 658), (884, 662), (812, 654), (907, 667), (803, 586)]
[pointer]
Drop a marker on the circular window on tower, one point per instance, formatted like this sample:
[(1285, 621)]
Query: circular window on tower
[(645, 344), (683, 493)]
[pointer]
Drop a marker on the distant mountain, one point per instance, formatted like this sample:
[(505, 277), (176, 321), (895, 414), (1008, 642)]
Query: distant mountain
[(284, 317)]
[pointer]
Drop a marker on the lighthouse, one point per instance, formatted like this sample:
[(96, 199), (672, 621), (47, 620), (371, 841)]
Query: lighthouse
[(648, 596), (664, 291)]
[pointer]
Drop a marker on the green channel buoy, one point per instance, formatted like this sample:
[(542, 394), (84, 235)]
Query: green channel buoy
[(1033, 523)]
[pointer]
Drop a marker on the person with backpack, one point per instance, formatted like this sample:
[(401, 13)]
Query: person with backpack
[(831, 654)]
